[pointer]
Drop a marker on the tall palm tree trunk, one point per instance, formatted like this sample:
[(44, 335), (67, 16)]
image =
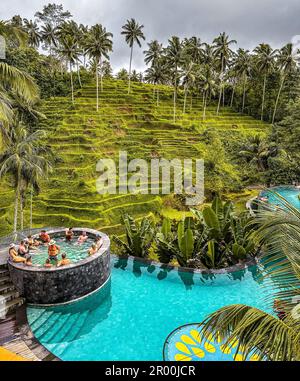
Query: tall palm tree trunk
[(244, 93), (175, 96), (72, 85), (78, 74), (157, 97), (204, 106), (21, 211), (263, 98), (185, 96), (232, 95), (31, 207), (97, 86), (277, 99), (101, 75), (221, 88), (129, 73), (15, 227)]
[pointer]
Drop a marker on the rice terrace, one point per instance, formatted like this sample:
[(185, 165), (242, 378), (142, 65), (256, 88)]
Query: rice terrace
[(149, 189)]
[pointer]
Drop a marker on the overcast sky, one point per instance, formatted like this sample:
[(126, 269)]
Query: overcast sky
[(248, 21)]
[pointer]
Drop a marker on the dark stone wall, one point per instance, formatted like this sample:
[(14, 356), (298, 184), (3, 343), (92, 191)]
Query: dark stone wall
[(58, 285)]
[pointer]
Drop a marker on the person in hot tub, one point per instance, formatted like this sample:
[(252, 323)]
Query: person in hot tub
[(93, 249), (64, 260), (53, 250), (82, 238), (13, 254), (99, 241)]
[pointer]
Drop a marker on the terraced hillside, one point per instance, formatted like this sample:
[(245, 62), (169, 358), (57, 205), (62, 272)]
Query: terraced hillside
[(79, 136)]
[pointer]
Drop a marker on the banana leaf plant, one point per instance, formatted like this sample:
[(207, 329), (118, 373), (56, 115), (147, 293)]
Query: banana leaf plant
[(139, 237), (180, 244)]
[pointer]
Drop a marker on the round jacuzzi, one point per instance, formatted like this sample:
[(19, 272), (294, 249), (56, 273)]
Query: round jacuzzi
[(84, 275)]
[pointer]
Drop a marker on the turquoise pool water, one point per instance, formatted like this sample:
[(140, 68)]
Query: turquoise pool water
[(75, 251), (130, 318), (288, 192)]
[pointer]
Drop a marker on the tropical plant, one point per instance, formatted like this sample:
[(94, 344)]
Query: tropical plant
[(157, 74), (174, 59), (270, 337), (133, 34), (286, 62), (21, 156), (265, 61), (34, 36), (139, 237), (154, 52), (243, 66), (223, 54), (15, 80), (181, 246), (97, 46), (70, 51)]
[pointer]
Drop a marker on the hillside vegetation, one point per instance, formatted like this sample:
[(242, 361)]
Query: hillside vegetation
[(79, 136)]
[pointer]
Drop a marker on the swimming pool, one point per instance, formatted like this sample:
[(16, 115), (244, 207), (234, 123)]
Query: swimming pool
[(75, 251), (290, 193), (132, 315)]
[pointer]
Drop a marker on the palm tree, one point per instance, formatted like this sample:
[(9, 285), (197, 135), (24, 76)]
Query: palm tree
[(188, 80), (269, 336), (154, 52), (193, 49), (174, 60), (98, 44), (133, 34), (13, 79), (157, 74), (223, 53), (287, 63), (70, 51), (207, 85), (49, 36), (265, 60), (20, 156), (243, 67), (34, 36), (256, 152)]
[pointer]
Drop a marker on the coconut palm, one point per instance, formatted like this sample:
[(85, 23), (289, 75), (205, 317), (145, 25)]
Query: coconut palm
[(10, 31), (34, 36), (49, 36), (276, 339), (223, 54), (133, 34), (265, 61), (174, 59), (286, 62), (97, 45), (13, 79), (69, 50), (193, 49), (207, 85), (243, 66), (154, 52), (188, 80), (20, 155), (256, 152), (157, 74)]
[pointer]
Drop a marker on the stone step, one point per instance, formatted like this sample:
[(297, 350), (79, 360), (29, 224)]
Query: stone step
[(6, 287), (3, 272), (10, 307), (8, 296), (4, 279)]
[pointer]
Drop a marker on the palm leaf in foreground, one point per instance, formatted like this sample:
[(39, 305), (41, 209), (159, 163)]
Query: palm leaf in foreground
[(271, 338)]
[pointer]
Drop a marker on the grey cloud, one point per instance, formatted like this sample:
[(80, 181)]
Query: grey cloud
[(249, 22)]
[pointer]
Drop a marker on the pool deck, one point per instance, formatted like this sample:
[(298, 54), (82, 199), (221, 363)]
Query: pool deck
[(17, 338)]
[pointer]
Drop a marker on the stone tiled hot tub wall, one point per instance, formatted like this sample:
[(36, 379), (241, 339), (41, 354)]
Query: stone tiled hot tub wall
[(59, 285)]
